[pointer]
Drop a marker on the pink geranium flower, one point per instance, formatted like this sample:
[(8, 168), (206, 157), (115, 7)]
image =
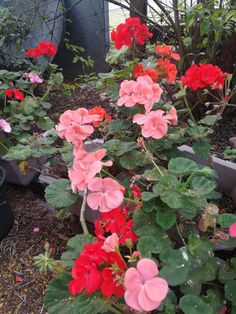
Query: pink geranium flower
[(172, 116), (5, 126), (141, 92), (125, 93), (74, 125), (232, 230), (143, 290), (111, 243), (85, 167), (105, 194), (154, 124), (33, 78), (146, 93)]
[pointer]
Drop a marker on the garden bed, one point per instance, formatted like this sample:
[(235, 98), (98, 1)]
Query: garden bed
[(22, 287)]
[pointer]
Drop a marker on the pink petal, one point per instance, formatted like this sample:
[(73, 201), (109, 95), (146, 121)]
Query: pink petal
[(139, 118), (156, 289), (147, 268), (93, 200), (114, 199), (131, 299), (103, 208), (145, 303), (132, 279), (110, 184), (96, 184), (232, 230)]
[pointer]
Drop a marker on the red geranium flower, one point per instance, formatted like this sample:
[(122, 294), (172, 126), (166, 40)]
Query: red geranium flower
[(47, 48), (102, 115), (203, 75), (167, 69), (110, 284), (16, 93), (114, 220), (139, 71), (85, 276), (137, 193), (33, 53), (130, 32), (128, 234), (167, 51)]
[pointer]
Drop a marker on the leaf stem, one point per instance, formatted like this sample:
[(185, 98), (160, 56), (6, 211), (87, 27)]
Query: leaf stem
[(82, 211)]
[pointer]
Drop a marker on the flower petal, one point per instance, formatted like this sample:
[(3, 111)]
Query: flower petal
[(145, 303), (132, 279), (156, 289), (93, 200), (113, 199), (147, 268), (131, 299)]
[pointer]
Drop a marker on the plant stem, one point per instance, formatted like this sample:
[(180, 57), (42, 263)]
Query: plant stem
[(4, 146), (177, 227), (82, 211), (189, 110)]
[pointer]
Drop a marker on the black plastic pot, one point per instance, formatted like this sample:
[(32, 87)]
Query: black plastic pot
[(6, 216)]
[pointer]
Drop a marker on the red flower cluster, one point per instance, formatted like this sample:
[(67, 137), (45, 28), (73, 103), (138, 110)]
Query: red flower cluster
[(130, 32), (44, 48), (202, 76), (139, 71), (15, 93), (102, 115), (98, 269), (95, 269), (167, 69), (116, 221), (167, 51)]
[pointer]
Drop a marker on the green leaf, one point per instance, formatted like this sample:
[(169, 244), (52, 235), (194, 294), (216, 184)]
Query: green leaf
[(133, 160), (148, 245), (209, 120), (230, 291), (115, 55), (182, 166), (19, 152), (226, 220), (165, 218), (205, 27), (45, 124), (58, 299), (201, 186), (202, 149), (118, 148), (59, 194), (228, 271), (147, 196), (191, 304), (74, 247), (118, 126), (154, 174), (177, 266), (187, 41)]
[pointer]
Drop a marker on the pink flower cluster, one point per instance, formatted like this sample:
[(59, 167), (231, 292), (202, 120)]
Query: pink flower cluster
[(105, 194), (74, 125), (155, 123), (33, 78), (143, 91), (5, 126)]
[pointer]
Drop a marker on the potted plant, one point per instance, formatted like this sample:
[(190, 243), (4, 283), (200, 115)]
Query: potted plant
[(24, 116), (155, 245), (6, 216)]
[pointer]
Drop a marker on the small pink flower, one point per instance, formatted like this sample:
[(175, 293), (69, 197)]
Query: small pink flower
[(153, 124), (146, 93), (232, 230), (111, 243), (36, 229), (74, 125), (33, 78), (125, 93), (143, 290), (85, 167), (5, 126), (105, 194), (172, 116)]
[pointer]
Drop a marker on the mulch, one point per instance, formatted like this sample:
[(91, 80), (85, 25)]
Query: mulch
[(22, 286)]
